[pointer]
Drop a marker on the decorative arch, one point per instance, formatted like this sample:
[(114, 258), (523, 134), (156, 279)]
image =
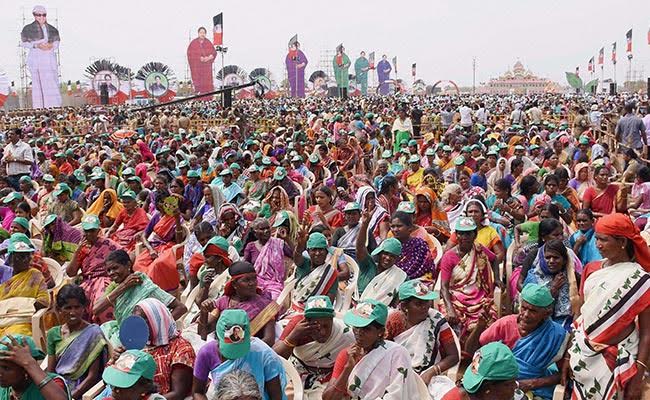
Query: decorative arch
[(451, 82)]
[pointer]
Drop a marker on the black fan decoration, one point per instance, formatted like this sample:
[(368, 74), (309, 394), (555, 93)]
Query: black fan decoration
[(232, 75)]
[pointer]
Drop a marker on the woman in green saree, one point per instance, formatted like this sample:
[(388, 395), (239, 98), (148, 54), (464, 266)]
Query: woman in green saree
[(126, 291)]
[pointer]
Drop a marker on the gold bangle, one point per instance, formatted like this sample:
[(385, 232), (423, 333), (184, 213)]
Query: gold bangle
[(108, 298), (642, 364), (288, 343)]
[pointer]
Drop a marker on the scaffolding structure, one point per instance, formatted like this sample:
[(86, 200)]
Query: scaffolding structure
[(325, 62)]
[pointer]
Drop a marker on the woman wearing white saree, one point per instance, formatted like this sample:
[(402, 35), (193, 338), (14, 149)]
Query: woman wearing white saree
[(379, 224), (379, 277), (422, 330), (373, 368), (311, 342)]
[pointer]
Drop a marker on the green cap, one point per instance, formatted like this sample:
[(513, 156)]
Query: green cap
[(533, 147), (537, 295), (314, 159), (416, 288), (280, 218), (20, 243), (413, 142), (218, 241), (296, 159), (98, 175), (319, 307), (258, 155), (519, 147), (492, 362), (225, 172), (584, 140), (266, 160), (279, 174), (430, 152), (447, 149), (404, 142), (128, 172), (414, 159), (90, 222), (22, 221), (193, 174), (61, 188), (390, 245), (129, 194), (183, 164), (460, 160), (129, 368), (12, 196), (465, 224), (25, 179), (49, 219), (502, 146), (235, 166), (407, 207), (59, 155), (36, 353), (233, 332), (466, 149), (352, 206), (317, 241), (386, 154), (80, 175), (253, 168), (365, 313)]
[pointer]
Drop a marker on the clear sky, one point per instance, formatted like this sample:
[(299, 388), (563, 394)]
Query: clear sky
[(441, 36)]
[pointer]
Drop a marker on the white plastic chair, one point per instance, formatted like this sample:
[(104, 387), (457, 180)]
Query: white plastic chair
[(294, 377), (38, 243), (558, 393), (439, 249), (310, 176), (56, 270)]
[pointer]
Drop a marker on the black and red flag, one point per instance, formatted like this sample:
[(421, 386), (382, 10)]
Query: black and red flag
[(217, 33), (590, 65), (614, 52), (371, 60), (413, 69)]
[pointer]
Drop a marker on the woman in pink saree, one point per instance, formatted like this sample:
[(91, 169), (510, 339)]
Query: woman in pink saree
[(268, 255)]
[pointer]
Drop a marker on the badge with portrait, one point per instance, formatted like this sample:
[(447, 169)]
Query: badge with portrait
[(170, 205)]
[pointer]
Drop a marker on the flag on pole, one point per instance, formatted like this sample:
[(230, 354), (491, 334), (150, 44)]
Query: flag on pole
[(371, 60), (601, 56), (413, 69), (217, 33), (628, 48), (590, 65), (395, 63), (578, 70), (614, 52), (648, 36)]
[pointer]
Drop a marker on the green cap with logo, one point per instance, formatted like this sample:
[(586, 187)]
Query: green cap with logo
[(319, 307), (416, 288), (233, 332), (352, 206), (49, 219), (25, 179), (386, 154), (414, 159), (281, 218), (12, 196), (23, 340), (465, 224), (20, 243), (129, 368), (460, 160), (365, 313), (22, 221), (537, 295), (492, 362), (62, 188), (193, 174), (390, 245), (279, 174), (90, 222), (407, 207), (317, 241), (129, 194), (218, 241)]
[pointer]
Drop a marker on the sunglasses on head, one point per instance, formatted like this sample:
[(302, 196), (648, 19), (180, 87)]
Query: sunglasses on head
[(40, 15)]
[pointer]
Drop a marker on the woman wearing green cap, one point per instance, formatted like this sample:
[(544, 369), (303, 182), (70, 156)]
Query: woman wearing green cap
[(131, 377), (22, 378), (64, 206), (128, 224), (422, 330), (372, 368), (60, 239)]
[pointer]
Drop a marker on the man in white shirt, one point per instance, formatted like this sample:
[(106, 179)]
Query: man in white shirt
[(535, 114), (518, 117), (482, 114), (465, 117), (18, 158)]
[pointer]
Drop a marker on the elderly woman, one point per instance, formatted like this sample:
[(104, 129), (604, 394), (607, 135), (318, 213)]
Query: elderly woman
[(417, 260), (373, 367), (89, 259), (22, 376), (312, 341), (604, 339), (467, 273), (581, 180), (24, 293), (423, 330), (209, 205), (126, 290), (452, 200), (107, 207), (64, 206), (605, 198), (232, 225)]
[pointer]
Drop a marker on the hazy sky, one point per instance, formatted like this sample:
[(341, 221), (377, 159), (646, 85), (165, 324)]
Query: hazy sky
[(441, 36)]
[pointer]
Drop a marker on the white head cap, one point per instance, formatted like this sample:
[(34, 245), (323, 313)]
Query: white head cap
[(39, 10)]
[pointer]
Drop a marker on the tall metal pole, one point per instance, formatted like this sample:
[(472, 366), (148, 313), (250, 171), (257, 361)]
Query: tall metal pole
[(474, 75)]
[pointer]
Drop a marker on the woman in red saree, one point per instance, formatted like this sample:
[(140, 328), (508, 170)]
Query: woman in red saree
[(129, 222), (164, 231), (324, 213), (90, 258), (602, 199)]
